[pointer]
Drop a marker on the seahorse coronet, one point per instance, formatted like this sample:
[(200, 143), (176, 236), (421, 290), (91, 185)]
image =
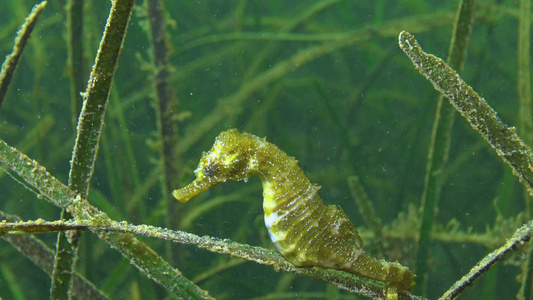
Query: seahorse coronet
[(304, 230)]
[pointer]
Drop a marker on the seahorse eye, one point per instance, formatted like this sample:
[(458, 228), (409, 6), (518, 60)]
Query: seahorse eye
[(209, 170)]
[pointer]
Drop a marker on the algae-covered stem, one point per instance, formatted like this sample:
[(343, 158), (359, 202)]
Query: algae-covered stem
[(259, 255), (89, 128), (521, 235), (439, 146), (91, 118), (42, 256), (473, 108), (138, 253), (11, 62)]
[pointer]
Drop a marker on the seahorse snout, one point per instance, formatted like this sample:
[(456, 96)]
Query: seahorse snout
[(202, 183)]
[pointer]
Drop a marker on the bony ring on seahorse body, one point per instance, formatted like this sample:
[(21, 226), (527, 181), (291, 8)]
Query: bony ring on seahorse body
[(305, 231)]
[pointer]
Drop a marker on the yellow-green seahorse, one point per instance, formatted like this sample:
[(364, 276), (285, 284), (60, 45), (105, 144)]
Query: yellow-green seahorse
[(305, 231)]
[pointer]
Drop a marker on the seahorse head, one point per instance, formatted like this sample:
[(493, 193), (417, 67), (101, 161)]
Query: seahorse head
[(232, 157)]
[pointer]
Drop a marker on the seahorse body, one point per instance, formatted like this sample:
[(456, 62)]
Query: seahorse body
[(305, 231)]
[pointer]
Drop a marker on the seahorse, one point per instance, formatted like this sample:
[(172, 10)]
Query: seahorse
[(304, 231)]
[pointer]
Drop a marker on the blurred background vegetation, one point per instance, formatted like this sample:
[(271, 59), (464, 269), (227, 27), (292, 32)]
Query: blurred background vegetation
[(323, 80)]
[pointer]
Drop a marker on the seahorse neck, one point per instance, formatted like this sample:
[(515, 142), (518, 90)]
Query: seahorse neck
[(272, 162), (280, 174)]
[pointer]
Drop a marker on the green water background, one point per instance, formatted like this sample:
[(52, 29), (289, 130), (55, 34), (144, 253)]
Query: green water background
[(361, 109)]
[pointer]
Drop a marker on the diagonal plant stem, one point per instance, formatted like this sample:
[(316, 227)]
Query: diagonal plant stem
[(42, 256), (92, 115), (37, 176), (90, 125), (82, 164), (522, 235), (260, 255), (139, 254), (11, 62), (474, 109), (483, 119), (440, 142)]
